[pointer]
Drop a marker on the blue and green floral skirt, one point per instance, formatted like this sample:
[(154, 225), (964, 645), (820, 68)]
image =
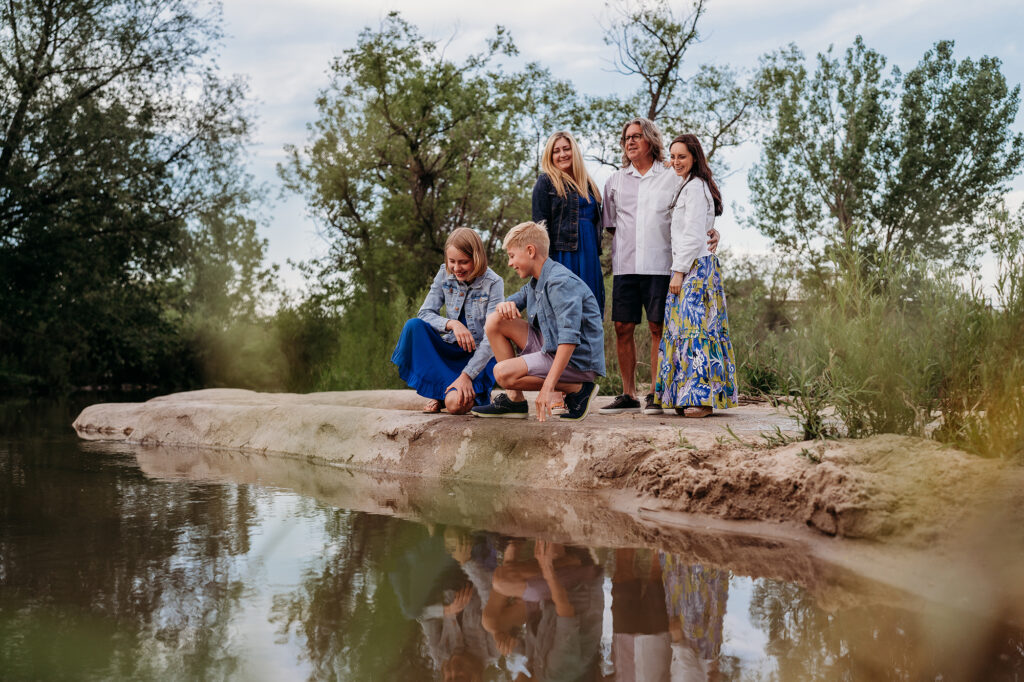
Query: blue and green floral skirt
[(696, 364)]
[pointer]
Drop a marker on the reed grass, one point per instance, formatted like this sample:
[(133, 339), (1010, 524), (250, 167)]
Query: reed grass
[(895, 346)]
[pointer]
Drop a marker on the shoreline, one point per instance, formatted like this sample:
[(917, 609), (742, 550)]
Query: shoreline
[(886, 505), (883, 488)]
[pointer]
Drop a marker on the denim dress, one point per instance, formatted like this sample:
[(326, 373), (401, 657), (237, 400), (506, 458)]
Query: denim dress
[(574, 225), (585, 261)]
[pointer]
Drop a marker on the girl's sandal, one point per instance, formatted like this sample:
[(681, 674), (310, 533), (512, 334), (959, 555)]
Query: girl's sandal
[(432, 407), (697, 412)]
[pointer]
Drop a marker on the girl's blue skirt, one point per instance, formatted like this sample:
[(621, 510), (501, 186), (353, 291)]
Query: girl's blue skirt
[(429, 365)]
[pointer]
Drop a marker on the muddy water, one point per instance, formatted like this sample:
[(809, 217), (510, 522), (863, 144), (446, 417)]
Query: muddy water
[(142, 563)]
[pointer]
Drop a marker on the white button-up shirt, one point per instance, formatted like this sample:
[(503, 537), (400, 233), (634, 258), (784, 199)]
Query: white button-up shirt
[(638, 209)]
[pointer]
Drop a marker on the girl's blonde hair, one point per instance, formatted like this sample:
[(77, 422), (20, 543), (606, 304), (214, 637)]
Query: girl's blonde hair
[(468, 242), (528, 233), (579, 179)]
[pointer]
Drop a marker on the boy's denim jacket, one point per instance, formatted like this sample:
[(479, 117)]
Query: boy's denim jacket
[(480, 298), (566, 312), (561, 215)]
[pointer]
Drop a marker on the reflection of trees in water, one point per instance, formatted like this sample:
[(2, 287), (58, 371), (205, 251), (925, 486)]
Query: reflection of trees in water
[(798, 632), (346, 611), (877, 641), (103, 573), (806, 641)]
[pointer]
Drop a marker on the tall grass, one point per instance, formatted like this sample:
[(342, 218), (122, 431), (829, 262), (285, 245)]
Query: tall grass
[(983, 406), (896, 346), (361, 355)]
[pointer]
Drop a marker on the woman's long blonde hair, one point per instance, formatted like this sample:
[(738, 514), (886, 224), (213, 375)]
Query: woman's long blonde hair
[(579, 179)]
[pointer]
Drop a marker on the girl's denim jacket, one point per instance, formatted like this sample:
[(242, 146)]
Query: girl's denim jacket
[(561, 215), (479, 298)]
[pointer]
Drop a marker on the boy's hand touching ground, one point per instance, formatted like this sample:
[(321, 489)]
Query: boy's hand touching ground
[(545, 399)]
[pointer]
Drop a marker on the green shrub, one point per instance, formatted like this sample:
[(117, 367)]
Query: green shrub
[(900, 346), (363, 340)]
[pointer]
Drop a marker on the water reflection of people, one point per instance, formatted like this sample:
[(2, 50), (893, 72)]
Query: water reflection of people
[(695, 598), (444, 584), (545, 612), (641, 646)]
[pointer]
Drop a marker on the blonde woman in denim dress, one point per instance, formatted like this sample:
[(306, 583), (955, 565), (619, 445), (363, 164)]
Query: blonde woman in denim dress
[(568, 202), (447, 358)]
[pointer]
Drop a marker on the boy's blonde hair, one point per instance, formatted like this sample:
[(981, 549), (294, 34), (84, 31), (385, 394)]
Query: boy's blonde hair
[(468, 242), (528, 233)]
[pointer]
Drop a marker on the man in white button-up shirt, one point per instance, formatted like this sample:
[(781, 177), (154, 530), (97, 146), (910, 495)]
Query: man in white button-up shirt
[(637, 211)]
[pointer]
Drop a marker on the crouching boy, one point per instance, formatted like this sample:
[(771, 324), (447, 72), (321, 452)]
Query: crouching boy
[(561, 341)]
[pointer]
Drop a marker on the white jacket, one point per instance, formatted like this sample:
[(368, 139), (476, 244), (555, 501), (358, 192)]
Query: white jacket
[(692, 217)]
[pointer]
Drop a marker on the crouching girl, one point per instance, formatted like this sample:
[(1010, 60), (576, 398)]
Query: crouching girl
[(448, 359)]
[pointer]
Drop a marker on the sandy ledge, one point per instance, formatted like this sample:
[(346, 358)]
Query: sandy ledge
[(913, 519), (886, 488)]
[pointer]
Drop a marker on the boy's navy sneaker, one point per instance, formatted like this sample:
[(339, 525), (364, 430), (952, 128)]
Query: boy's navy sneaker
[(622, 403), (502, 407), (651, 407), (578, 403)]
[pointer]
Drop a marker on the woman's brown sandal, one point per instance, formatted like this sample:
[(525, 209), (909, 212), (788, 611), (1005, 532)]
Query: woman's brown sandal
[(432, 407), (694, 412)]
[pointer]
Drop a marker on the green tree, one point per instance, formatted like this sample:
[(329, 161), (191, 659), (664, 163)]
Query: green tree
[(652, 39), (118, 134), (410, 145), (884, 163), (226, 293)]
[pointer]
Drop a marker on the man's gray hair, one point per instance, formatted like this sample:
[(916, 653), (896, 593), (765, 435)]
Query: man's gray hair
[(650, 133)]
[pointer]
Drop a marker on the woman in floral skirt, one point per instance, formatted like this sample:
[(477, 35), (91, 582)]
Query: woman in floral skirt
[(696, 365)]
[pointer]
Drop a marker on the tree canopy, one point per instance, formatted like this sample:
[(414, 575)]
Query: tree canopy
[(884, 162), (410, 145), (120, 142), (652, 41)]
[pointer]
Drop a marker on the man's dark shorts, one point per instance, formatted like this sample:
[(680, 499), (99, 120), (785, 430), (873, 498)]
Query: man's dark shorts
[(632, 294)]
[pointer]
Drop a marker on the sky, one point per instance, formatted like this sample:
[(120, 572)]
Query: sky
[(284, 49)]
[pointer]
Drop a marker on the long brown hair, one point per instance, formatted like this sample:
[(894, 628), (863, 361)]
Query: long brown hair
[(700, 166), (579, 179)]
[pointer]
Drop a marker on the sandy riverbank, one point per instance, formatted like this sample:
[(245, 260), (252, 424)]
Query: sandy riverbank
[(886, 488)]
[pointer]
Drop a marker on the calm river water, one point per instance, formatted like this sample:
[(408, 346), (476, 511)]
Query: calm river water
[(116, 563)]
